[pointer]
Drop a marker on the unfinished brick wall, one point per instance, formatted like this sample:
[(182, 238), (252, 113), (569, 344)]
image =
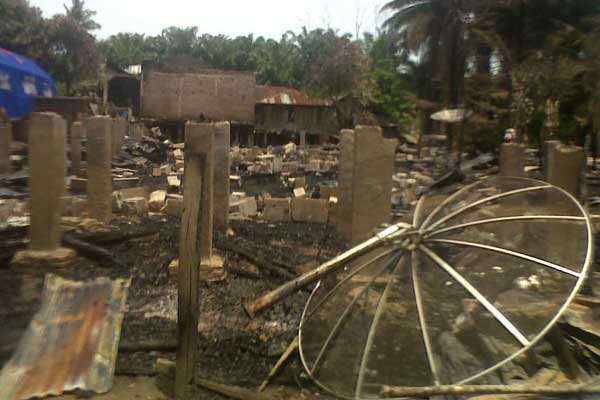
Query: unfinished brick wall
[(218, 96)]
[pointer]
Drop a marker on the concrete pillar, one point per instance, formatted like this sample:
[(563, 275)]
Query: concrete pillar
[(76, 135), (119, 130), (303, 140), (564, 168), (365, 182), (512, 160), (221, 177), (47, 133), (114, 140), (99, 175), (548, 154), (5, 141), (345, 184), (251, 139), (137, 132), (198, 183)]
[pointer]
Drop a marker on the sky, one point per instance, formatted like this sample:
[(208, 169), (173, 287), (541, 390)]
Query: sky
[(269, 18)]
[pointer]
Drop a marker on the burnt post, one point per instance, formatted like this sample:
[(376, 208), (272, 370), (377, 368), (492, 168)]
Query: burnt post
[(197, 201)]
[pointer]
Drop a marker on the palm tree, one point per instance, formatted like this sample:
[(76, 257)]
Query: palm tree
[(81, 15), (435, 33)]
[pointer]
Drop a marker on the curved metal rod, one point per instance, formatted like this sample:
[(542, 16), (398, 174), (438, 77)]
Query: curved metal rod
[(423, 320), (578, 285), (476, 204), (504, 219), (268, 300), (446, 201), (346, 279), (510, 253), (501, 318), (342, 318), (374, 323)]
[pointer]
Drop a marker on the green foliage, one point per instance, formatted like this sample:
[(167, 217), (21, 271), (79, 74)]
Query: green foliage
[(393, 96), (22, 28), (504, 59), (321, 62), (83, 16), (125, 49), (72, 54)]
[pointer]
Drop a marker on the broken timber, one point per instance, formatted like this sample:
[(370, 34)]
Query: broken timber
[(268, 300), (190, 244), (394, 392)]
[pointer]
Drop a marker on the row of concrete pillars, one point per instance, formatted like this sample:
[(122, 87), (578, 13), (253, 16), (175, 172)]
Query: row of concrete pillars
[(47, 135), (562, 165)]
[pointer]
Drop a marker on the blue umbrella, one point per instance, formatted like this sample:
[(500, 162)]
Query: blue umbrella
[(20, 81)]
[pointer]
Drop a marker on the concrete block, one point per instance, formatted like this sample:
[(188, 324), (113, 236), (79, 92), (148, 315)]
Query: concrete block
[(130, 193), (300, 192), (139, 205), (247, 207), (310, 210), (78, 185), (174, 205), (157, 200), (173, 182), (277, 210)]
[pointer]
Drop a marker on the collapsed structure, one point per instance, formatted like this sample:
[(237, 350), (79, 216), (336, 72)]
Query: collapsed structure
[(205, 183)]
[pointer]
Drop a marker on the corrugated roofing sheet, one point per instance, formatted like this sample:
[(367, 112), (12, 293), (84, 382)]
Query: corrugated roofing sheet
[(72, 341), (284, 95)]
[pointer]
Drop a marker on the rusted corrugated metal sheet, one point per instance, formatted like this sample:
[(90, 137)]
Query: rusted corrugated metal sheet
[(284, 95), (71, 343)]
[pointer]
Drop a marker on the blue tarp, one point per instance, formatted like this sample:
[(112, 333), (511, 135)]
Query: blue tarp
[(21, 80)]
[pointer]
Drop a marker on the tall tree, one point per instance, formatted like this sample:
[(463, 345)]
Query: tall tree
[(83, 16), (125, 49), (23, 29), (434, 32), (72, 51)]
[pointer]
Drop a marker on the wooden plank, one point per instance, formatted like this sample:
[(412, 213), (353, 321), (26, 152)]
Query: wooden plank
[(188, 275)]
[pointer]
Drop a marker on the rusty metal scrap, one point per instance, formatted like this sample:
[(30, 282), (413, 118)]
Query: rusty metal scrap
[(72, 341)]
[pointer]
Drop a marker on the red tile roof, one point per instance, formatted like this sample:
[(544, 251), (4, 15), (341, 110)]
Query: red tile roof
[(284, 95)]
